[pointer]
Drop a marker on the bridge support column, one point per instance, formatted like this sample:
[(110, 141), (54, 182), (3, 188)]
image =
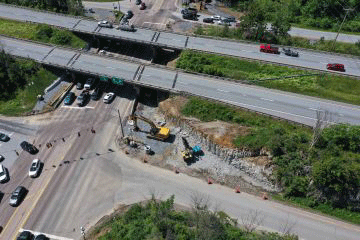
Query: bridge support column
[(155, 51)]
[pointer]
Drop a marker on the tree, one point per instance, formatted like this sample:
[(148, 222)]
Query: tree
[(338, 179)]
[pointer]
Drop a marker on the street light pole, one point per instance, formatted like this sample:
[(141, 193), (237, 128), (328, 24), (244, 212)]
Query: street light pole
[(347, 11), (122, 131)]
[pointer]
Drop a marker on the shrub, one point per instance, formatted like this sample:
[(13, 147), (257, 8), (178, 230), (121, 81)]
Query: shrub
[(61, 37)]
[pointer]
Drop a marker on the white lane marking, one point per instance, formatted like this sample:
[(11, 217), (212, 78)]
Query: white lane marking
[(221, 90), (155, 23), (266, 99), (110, 67), (21, 49), (63, 106), (48, 235), (313, 109), (271, 110)]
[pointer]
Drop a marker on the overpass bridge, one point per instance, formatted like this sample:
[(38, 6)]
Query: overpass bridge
[(168, 40), (293, 107)]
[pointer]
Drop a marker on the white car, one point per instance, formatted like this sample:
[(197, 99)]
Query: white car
[(216, 18), (34, 168), (105, 23), (3, 174), (109, 97)]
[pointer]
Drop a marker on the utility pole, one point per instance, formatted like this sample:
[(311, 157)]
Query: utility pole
[(347, 11), (122, 130)]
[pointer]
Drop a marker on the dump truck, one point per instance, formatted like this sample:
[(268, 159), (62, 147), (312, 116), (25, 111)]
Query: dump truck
[(158, 133), (268, 48)]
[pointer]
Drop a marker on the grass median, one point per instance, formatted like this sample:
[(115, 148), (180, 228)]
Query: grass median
[(40, 33), (327, 86)]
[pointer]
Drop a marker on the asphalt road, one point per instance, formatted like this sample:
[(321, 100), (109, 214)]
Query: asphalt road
[(61, 131), (285, 105), (308, 59), (96, 180)]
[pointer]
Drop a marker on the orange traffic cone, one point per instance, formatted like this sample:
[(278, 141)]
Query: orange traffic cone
[(210, 181), (237, 189)]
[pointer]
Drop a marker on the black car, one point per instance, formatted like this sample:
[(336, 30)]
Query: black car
[(208, 20), (17, 196), (189, 16), (79, 86), (189, 10), (129, 14), (91, 10), (25, 235), (89, 83), (41, 237), (96, 95), (83, 98), (28, 147), (69, 99), (4, 137), (229, 19), (289, 52), (138, 2)]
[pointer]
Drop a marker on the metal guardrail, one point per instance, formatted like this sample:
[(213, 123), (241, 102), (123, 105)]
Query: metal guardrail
[(157, 30)]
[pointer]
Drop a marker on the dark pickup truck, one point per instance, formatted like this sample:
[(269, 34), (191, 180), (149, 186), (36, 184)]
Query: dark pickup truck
[(289, 52)]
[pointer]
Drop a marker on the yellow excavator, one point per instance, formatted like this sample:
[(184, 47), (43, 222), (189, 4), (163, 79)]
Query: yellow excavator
[(187, 153), (158, 133)]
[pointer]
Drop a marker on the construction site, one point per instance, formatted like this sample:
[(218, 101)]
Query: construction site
[(156, 133)]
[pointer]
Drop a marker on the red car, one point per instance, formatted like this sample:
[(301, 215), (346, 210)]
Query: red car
[(335, 67), (142, 6)]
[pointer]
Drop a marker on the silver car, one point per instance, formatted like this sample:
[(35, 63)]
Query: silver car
[(4, 175), (34, 168), (105, 23)]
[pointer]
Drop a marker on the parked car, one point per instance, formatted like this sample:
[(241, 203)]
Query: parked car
[(25, 235), (189, 10), (34, 168), (105, 23), (83, 98), (216, 18), (69, 99), (28, 147), (17, 196), (89, 83), (138, 2), (335, 67), (142, 6), (4, 174), (189, 16), (96, 94), (289, 52), (79, 86), (222, 22), (2, 158), (109, 97), (4, 137), (129, 14), (41, 237), (208, 20), (229, 19)]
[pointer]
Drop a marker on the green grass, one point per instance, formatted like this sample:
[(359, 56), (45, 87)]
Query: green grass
[(33, 31), (340, 47), (26, 98), (328, 86), (102, 0), (344, 214)]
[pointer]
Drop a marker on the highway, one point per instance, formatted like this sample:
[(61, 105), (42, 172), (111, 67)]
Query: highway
[(86, 177), (280, 104), (307, 59)]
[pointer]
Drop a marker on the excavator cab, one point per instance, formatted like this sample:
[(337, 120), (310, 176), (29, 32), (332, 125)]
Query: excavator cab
[(158, 133)]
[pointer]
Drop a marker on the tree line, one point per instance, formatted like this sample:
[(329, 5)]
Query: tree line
[(14, 75), (73, 7), (325, 14)]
